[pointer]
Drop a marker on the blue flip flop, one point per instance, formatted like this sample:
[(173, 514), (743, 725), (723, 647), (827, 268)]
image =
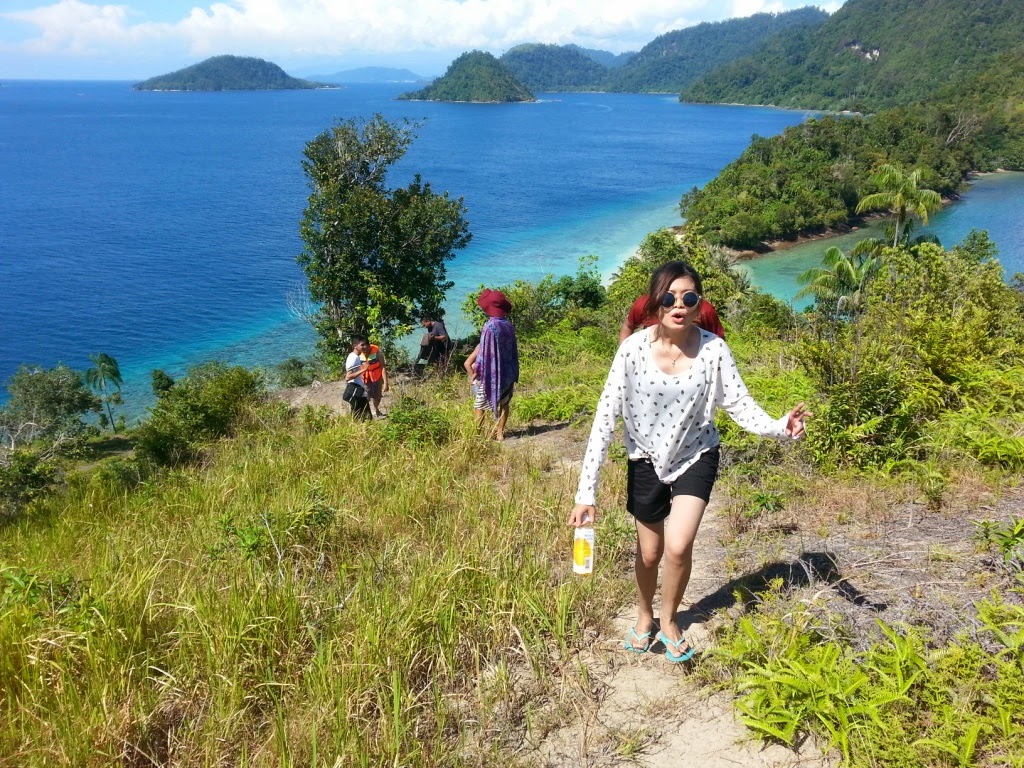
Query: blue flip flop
[(633, 634), (670, 645)]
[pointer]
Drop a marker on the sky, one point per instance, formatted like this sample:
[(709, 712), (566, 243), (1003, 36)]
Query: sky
[(136, 39)]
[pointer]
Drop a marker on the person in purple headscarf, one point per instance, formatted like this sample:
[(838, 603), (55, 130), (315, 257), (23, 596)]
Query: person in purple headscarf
[(493, 366)]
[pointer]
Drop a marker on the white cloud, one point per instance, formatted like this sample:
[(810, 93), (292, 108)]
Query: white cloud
[(750, 7), (333, 26), (318, 29)]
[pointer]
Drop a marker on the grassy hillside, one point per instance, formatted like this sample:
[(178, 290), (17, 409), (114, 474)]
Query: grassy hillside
[(871, 54), (226, 73), (474, 76), (672, 61)]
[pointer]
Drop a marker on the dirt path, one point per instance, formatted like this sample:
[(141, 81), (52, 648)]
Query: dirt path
[(646, 711)]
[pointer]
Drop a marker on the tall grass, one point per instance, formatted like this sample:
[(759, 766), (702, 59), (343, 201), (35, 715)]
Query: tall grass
[(318, 593)]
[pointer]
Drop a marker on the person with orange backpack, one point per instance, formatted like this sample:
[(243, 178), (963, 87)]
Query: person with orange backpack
[(375, 376)]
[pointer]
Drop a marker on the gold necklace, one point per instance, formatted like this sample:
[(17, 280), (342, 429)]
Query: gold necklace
[(676, 358)]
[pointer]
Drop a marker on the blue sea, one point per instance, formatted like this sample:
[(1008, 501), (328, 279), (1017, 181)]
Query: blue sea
[(162, 228)]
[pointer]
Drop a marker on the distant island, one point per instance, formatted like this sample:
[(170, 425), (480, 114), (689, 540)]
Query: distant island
[(372, 75), (227, 73), (667, 64), (475, 76), (554, 67)]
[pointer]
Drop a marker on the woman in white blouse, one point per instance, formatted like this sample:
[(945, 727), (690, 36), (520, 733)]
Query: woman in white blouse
[(665, 383)]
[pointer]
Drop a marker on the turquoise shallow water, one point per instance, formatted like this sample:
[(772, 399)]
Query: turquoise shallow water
[(994, 202)]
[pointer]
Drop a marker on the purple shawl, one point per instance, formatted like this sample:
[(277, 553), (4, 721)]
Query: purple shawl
[(498, 362)]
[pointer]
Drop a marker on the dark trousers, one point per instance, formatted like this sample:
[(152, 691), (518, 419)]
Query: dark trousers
[(432, 352), (360, 408)]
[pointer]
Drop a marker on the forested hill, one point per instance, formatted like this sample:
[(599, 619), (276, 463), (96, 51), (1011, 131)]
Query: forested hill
[(605, 58), (474, 76), (811, 177), (871, 54), (227, 73), (554, 67), (672, 61)]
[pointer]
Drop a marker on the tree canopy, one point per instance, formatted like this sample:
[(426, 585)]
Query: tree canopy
[(44, 404), (374, 256), (474, 76), (554, 67), (813, 175)]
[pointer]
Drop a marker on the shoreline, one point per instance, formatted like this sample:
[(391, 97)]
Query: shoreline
[(777, 246), (856, 223)]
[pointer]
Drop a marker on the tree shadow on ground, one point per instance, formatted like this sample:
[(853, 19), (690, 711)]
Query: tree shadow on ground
[(808, 569)]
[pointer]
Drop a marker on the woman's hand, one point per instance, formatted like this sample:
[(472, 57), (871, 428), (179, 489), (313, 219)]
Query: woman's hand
[(795, 422), (583, 514)]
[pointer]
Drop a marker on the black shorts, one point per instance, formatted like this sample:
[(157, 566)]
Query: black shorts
[(649, 500)]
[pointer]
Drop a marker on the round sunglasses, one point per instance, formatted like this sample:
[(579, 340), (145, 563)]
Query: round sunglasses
[(690, 299)]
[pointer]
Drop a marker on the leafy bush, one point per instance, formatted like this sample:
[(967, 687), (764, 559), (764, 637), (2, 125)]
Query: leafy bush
[(940, 333), (541, 305), (160, 381), (124, 474), (760, 313), (414, 423), (562, 404), (1007, 539), (893, 704), (23, 476), (201, 407), (867, 421), (295, 372)]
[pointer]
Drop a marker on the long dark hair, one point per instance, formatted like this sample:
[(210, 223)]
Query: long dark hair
[(663, 277)]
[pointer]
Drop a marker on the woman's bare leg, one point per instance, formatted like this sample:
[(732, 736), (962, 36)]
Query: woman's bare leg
[(650, 543), (499, 429), (680, 531)]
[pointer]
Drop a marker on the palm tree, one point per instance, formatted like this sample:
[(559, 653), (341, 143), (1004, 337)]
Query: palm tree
[(104, 372), (841, 279), (901, 194)]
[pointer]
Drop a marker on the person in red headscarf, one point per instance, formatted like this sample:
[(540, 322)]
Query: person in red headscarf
[(640, 316), (493, 366)]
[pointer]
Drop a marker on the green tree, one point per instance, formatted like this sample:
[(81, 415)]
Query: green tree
[(901, 193), (105, 374), (161, 382), (45, 403), (374, 257), (840, 283)]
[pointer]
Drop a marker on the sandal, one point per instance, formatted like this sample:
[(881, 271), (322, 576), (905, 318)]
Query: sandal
[(634, 635), (670, 645)]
